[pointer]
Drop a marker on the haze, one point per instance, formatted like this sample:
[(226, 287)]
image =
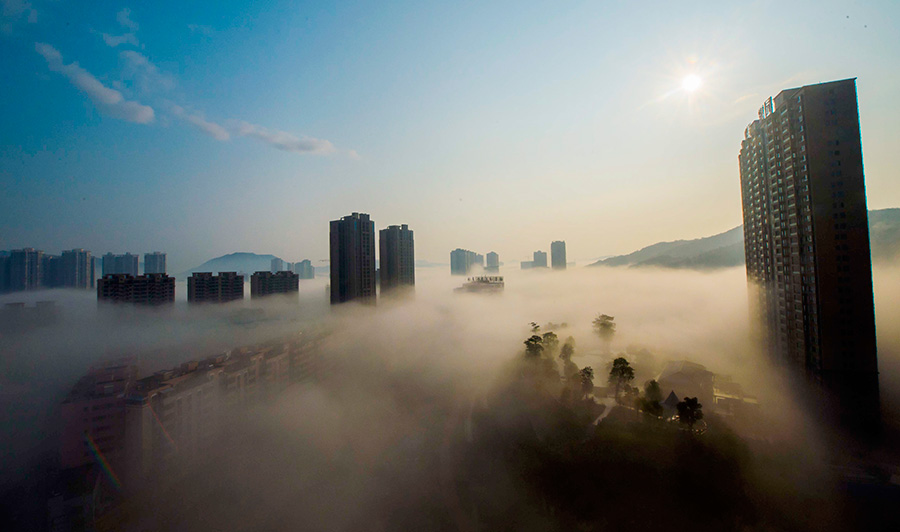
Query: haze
[(202, 130)]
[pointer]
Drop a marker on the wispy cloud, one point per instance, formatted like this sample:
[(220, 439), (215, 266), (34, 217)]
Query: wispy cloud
[(212, 129), (108, 101), (124, 18), (202, 29), (14, 11), (283, 140), (145, 73), (115, 40)]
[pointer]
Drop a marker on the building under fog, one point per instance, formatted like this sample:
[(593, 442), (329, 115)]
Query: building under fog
[(493, 262), (127, 264), (24, 269), (305, 269), (267, 283), (806, 238), (352, 242), (204, 287), (397, 258), (148, 289), (462, 261), (155, 262), (277, 265), (558, 255), (540, 259)]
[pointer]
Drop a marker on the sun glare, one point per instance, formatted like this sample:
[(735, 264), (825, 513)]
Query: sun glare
[(691, 83)]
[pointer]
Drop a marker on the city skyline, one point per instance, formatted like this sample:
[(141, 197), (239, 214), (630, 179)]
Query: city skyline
[(610, 110)]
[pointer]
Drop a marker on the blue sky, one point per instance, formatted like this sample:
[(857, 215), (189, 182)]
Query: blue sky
[(205, 128)]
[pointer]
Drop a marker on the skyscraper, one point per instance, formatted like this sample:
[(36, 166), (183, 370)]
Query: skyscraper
[(127, 264), (540, 259), (305, 269), (558, 255), (155, 262), (352, 258), (204, 287), (493, 262), (397, 258), (806, 239), (76, 268), (277, 265), (462, 260), (25, 269)]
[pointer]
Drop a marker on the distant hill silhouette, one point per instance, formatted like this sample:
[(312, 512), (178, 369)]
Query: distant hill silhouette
[(726, 250), (246, 263)]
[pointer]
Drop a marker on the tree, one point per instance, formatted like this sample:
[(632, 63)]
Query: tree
[(652, 397), (605, 327), (689, 411), (586, 376), (535, 328), (551, 343), (534, 347), (620, 373), (565, 354)]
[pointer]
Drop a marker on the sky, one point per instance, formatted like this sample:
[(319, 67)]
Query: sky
[(201, 129)]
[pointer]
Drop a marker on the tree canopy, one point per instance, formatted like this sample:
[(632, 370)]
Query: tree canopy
[(605, 327), (620, 373), (689, 411)]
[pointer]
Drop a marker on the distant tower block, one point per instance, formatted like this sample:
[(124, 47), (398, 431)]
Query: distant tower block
[(558, 255)]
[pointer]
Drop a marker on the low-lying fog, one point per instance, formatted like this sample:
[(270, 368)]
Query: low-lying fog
[(438, 340)]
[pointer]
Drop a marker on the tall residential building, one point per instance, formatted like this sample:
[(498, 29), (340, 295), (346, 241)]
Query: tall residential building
[(267, 283), (155, 262), (127, 264), (397, 258), (540, 259), (148, 289), (806, 239), (305, 269), (352, 258), (462, 260), (51, 271), (25, 269), (204, 287), (4, 272), (493, 262), (277, 265), (558, 255), (77, 268), (96, 270)]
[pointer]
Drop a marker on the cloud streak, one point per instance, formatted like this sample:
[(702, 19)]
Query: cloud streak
[(285, 141), (109, 101), (212, 129)]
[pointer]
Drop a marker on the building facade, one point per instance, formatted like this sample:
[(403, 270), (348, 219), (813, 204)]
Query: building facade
[(149, 289), (204, 287), (305, 269), (540, 259), (127, 264), (397, 258), (558, 255), (462, 261), (267, 283), (352, 242), (155, 262), (493, 262), (806, 238), (277, 265), (77, 269), (25, 269)]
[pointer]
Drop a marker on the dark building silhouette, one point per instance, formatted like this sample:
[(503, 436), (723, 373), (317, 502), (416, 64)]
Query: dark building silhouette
[(147, 289), (127, 264), (4, 272), (397, 258), (155, 262), (352, 258), (462, 261), (267, 283), (204, 287), (305, 269), (76, 267), (493, 263), (806, 239), (25, 269), (540, 259), (51, 271), (558, 255)]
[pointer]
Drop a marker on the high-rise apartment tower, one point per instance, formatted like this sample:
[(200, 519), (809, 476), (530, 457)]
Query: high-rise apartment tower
[(397, 258), (155, 262), (352, 258), (806, 239), (558, 255)]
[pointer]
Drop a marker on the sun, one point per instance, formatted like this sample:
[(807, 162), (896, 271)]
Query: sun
[(691, 83)]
